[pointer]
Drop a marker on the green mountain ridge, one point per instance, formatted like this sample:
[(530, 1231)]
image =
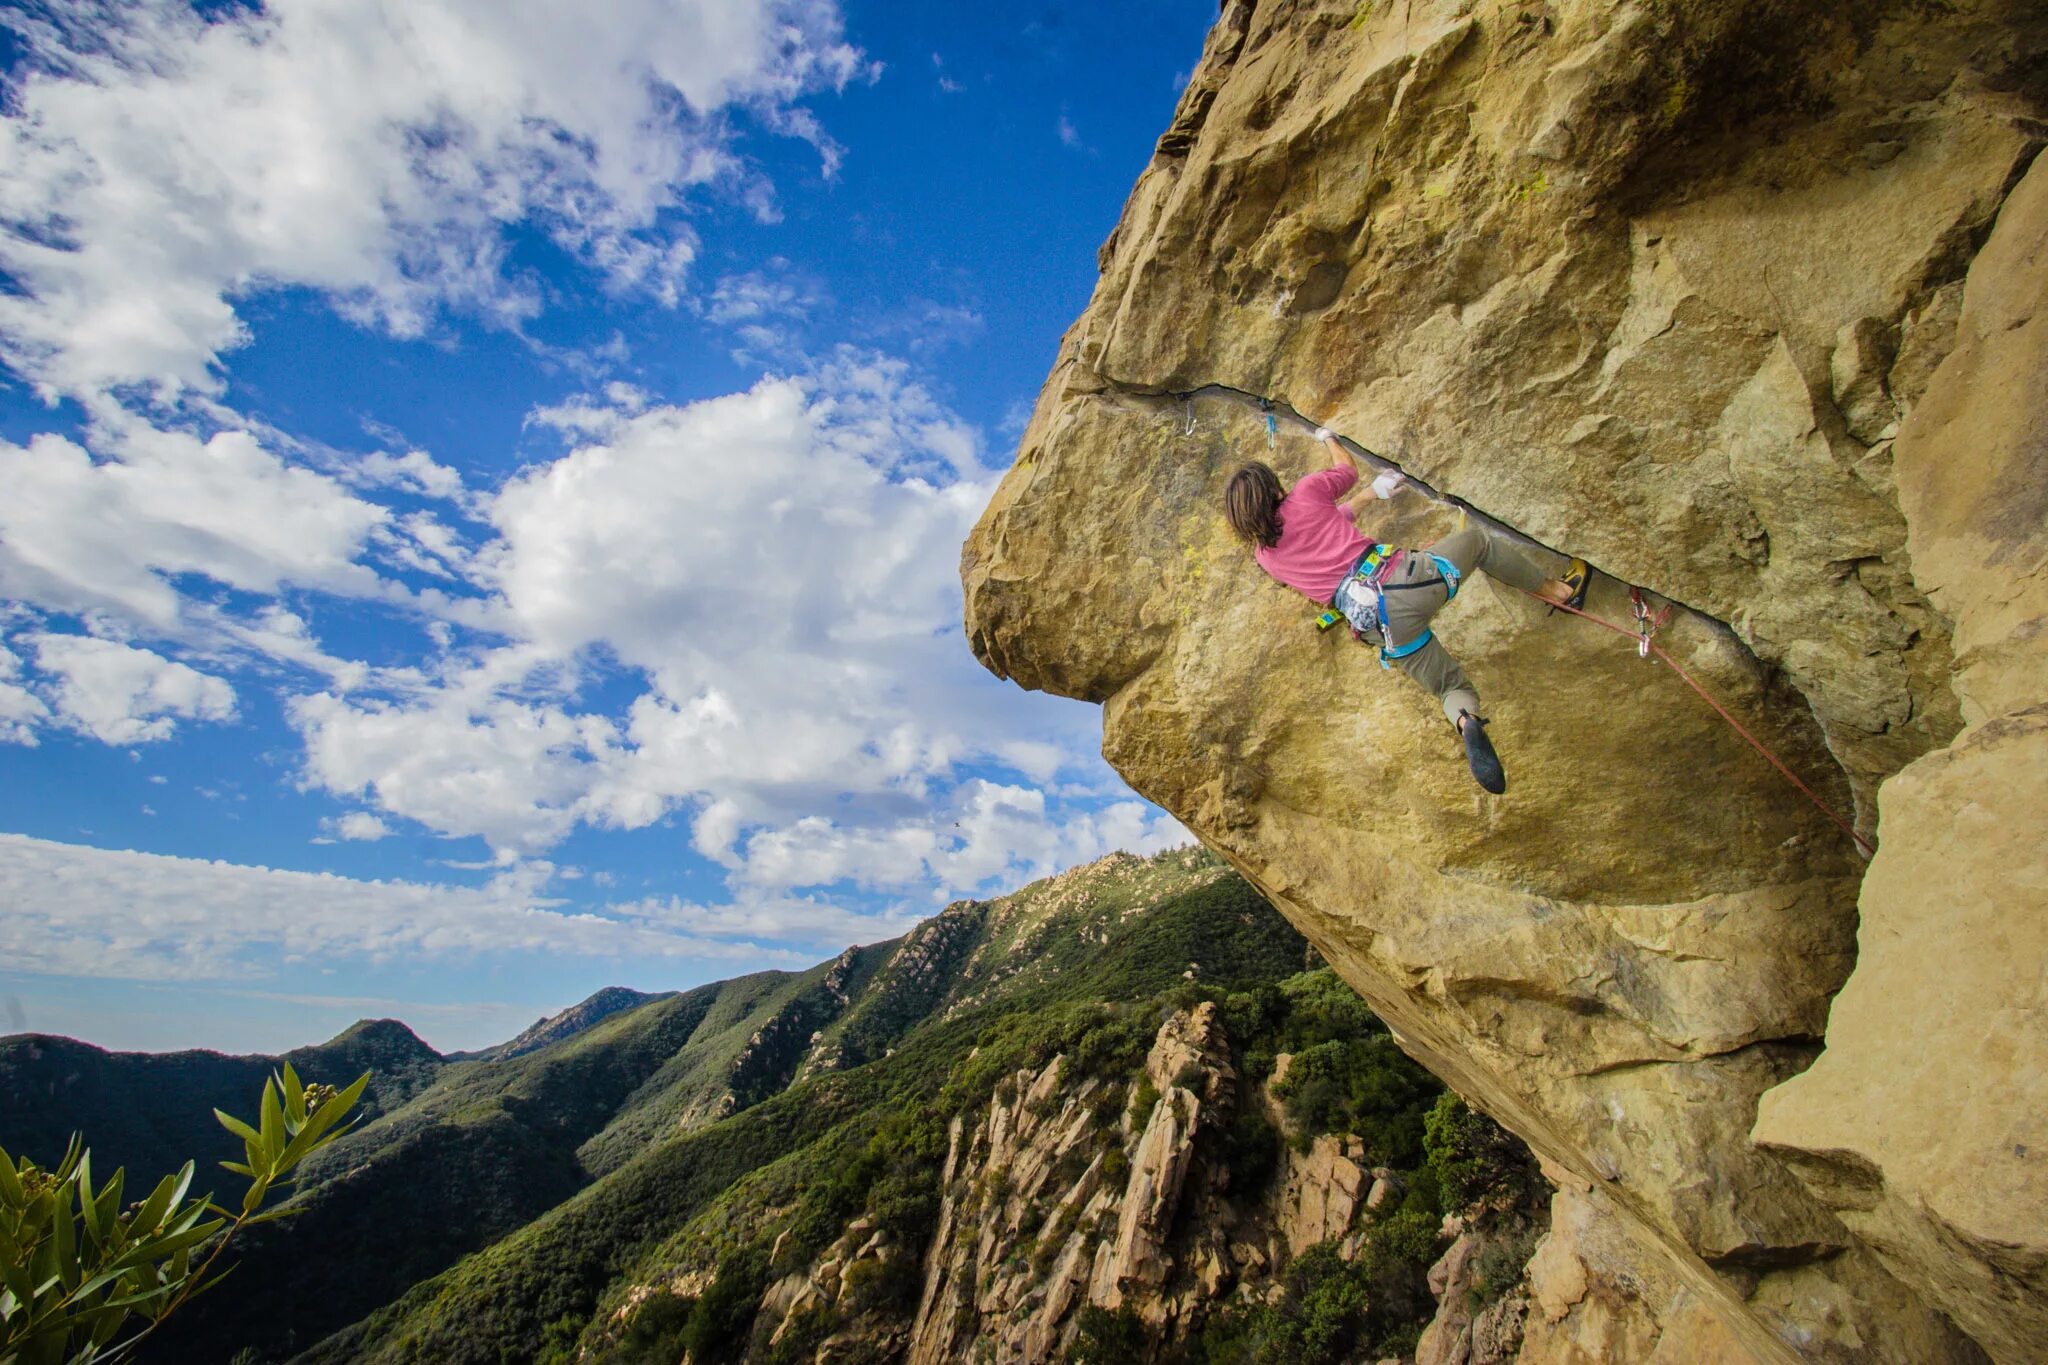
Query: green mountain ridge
[(553, 1028), (1122, 929), (152, 1111), (529, 1202), (481, 1153)]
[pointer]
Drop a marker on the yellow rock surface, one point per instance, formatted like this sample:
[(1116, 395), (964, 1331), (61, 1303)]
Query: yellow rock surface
[(1925, 1123), (1703, 293)]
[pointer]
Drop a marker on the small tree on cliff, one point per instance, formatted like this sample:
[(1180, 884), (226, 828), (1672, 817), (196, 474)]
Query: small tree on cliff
[(1476, 1161)]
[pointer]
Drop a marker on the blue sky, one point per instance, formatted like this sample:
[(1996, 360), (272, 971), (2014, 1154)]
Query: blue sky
[(481, 490)]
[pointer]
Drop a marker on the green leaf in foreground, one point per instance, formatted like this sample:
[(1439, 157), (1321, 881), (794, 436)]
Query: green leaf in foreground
[(76, 1271)]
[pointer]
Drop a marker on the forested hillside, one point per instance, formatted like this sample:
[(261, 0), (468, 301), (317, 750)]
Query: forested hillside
[(1121, 1110)]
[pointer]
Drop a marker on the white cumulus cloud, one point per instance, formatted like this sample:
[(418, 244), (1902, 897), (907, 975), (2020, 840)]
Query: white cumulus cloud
[(360, 826), (21, 710), (511, 772), (156, 165), (411, 471), (121, 694), (989, 833), (777, 569), (79, 534)]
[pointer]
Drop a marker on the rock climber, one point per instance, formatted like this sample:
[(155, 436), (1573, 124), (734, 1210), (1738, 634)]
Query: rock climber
[(1305, 538)]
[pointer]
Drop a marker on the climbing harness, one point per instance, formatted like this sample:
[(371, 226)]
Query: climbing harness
[(1389, 651), (1372, 566), (1377, 561), (1369, 577), (1646, 626)]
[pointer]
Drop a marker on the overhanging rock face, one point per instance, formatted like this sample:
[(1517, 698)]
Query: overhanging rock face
[(1740, 302)]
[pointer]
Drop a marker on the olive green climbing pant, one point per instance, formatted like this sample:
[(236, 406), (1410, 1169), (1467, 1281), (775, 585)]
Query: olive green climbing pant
[(1416, 591)]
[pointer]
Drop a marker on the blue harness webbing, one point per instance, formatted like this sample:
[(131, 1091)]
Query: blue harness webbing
[(1366, 572)]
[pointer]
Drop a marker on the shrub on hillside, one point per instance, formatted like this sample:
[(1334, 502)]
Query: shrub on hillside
[(717, 1326), (887, 1285), (1102, 1041), (1365, 1086), (1144, 1099), (1333, 1310), (798, 1344), (1476, 1161), (1105, 1338), (1251, 1151), (1320, 1008), (1317, 1320), (558, 1341), (653, 1335), (893, 1178), (1502, 1262)]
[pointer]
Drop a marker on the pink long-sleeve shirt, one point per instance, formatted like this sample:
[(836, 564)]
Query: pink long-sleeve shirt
[(1318, 544)]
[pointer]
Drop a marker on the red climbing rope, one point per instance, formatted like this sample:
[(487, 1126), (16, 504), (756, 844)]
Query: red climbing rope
[(1644, 641)]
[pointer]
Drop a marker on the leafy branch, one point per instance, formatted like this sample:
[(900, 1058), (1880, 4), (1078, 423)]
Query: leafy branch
[(76, 1265)]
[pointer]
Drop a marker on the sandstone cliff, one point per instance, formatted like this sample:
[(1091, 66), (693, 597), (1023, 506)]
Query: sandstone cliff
[(1742, 302)]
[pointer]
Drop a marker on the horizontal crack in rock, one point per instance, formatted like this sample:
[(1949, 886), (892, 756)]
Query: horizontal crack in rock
[(1280, 408), (1692, 1057)]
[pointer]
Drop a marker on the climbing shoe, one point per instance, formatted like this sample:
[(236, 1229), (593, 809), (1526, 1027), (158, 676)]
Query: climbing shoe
[(1578, 576), (1485, 763)]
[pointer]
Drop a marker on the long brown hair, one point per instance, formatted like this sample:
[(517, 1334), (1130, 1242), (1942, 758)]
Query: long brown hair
[(1251, 501)]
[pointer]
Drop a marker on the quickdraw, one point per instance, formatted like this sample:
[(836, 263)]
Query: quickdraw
[(1646, 625)]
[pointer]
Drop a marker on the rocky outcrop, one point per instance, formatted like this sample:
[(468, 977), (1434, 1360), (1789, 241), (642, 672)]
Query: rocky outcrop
[(1323, 1191), (776, 1051), (1469, 1329), (1189, 1066), (906, 988), (836, 1289), (1597, 1291), (1072, 1193), (1925, 1123), (1740, 301), (1092, 1187), (1325, 1187)]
